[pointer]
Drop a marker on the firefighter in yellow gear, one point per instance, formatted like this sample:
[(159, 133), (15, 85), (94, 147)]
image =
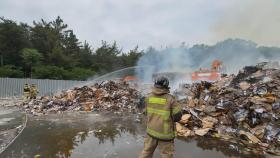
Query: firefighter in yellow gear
[(26, 92), (33, 92), (162, 112)]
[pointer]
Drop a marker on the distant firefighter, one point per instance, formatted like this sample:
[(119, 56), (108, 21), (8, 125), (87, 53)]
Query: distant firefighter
[(26, 92), (33, 91)]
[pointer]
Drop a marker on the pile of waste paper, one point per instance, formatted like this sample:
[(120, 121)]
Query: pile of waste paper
[(242, 108), (108, 95)]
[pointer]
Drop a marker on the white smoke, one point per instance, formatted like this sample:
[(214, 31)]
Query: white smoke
[(164, 61), (256, 20), (234, 53)]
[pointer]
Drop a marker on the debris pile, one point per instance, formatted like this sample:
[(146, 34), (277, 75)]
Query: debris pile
[(242, 109), (108, 95)]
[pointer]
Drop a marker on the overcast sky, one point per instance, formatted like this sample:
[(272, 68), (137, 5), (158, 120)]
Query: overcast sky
[(156, 22)]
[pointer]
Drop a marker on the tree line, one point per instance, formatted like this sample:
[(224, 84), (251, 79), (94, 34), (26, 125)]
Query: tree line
[(50, 50)]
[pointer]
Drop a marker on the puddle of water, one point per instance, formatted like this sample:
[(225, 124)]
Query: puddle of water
[(101, 136), (5, 111), (6, 120), (11, 123), (10, 118)]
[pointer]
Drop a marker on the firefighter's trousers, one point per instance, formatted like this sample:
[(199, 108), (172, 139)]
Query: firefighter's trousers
[(26, 96), (166, 148)]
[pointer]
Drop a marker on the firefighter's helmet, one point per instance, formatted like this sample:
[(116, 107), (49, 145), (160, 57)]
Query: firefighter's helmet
[(162, 82)]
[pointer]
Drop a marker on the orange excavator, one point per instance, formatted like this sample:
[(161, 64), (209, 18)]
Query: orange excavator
[(129, 78), (210, 75)]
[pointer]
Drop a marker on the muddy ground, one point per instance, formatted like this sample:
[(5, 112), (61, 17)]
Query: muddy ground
[(103, 135)]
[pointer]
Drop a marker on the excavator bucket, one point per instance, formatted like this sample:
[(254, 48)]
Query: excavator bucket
[(129, 78), (206, 76), (210, 75)]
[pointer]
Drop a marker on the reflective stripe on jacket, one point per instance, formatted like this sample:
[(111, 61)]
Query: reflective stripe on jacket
[(160, 109)]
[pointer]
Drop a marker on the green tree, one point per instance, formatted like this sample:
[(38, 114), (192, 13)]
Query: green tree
[(86, 56), (30, 57), (81, 73), (60, 49), (72, 48), (50, 72), (13, 38), (10, 71), (106, 59), (131, 58)]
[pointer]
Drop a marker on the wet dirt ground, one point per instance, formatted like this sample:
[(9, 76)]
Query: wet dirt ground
[(106, 135), (11, 123)]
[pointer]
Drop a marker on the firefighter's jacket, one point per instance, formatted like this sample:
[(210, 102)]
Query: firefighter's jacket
[(161, 108), (34, 90), (26, 89)]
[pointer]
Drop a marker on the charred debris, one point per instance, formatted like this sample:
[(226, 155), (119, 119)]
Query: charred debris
[(243, 109), (108, 95)]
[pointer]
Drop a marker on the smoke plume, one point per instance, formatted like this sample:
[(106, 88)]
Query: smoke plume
[(234, 53), (253, 20)]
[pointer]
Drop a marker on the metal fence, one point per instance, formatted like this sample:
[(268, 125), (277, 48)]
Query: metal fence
[(13, 87)]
